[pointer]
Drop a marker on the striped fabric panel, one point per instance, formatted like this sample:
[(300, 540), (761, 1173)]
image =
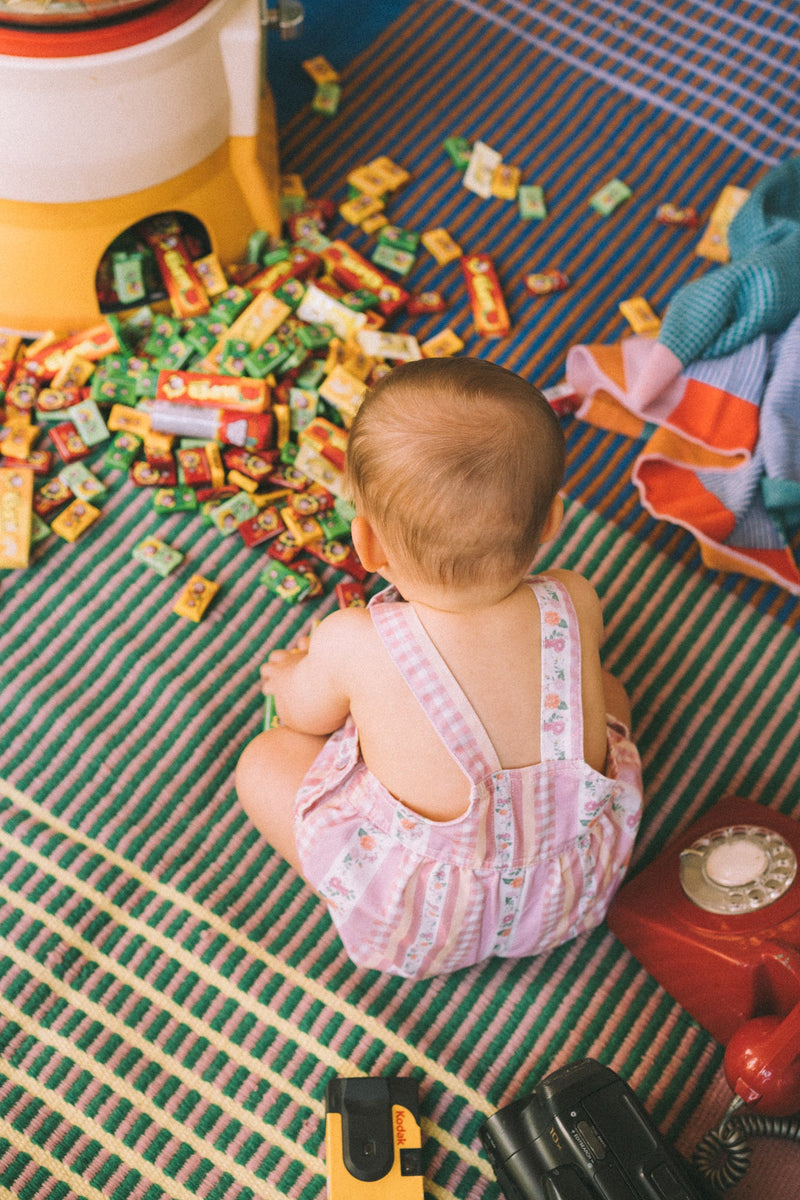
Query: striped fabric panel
[(173, 1000)]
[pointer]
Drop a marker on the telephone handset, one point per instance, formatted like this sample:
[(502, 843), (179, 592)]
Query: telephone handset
[(716, 920)]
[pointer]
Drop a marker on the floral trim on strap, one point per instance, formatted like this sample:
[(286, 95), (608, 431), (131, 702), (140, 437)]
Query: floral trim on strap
[(561, 731)]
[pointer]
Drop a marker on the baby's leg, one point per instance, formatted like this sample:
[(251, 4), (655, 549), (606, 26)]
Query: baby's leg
[(268, 777), (617, 703)]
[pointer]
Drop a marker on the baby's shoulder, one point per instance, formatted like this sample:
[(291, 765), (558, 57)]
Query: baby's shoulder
[(344, 635), (347, 643), (583, 596)]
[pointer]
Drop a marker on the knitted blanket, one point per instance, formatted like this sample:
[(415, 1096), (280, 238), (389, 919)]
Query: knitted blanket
[(719, 383), (721, 455), (758, 291)]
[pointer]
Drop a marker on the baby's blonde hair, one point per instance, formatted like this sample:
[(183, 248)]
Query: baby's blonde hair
[(456, 462)]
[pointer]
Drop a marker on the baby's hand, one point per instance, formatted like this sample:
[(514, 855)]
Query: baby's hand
[(307, 682), (278, 662)]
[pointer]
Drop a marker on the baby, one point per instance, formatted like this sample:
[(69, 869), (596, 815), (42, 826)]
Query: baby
[(453, 773)]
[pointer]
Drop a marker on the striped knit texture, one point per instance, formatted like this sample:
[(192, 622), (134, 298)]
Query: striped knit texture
[(173, 1000), (758, 291)]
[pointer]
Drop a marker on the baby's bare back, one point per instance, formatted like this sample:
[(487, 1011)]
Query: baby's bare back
[(494, 655)]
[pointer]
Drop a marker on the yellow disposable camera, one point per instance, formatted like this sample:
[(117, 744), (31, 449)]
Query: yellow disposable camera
[(372, 1139)]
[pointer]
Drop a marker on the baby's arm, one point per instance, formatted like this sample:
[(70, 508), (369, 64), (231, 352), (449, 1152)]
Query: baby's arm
[(310, 682), (587, 607)]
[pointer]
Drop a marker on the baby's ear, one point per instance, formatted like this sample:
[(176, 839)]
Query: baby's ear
[(368, 546), (554, 519)]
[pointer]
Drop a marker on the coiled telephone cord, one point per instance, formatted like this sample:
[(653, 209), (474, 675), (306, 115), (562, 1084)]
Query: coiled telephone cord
[(723, 1155)]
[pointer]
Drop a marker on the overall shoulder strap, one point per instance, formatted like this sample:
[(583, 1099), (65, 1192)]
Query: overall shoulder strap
[(562, 713), (435, 688)]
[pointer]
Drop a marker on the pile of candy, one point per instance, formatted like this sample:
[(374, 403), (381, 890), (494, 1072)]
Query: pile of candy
[(230, 391), (234, 403)]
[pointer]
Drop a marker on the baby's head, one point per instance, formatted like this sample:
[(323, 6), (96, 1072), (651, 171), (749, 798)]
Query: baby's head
[(456, 463)]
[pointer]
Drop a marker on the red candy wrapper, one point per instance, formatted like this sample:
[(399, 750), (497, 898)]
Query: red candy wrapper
[(184, 286), (489, 313), (93, 344), (542, 282), (351, 595), (349, 268), (213, 391), (671, 214)]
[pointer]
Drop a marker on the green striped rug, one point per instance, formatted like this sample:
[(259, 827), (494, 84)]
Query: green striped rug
[(174, 1001)]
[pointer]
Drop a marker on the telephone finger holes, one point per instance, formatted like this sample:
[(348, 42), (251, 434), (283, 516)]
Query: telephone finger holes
[(737, 869)]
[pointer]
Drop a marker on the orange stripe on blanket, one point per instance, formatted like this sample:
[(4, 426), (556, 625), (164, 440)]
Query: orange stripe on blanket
[(669, 445), (604, 365), (674, 493), (718, 419), (774, 566), (604, 411), (608, 360)]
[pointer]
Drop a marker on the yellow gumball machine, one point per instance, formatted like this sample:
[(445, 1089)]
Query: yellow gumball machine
[(116, 111)]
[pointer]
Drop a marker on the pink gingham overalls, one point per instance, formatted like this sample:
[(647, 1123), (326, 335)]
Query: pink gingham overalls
[(533, 861)]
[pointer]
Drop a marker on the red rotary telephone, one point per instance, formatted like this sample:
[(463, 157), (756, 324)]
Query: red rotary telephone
[(716, 920)]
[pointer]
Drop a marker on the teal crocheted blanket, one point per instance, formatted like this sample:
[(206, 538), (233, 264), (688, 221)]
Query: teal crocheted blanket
[(758, 291)]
